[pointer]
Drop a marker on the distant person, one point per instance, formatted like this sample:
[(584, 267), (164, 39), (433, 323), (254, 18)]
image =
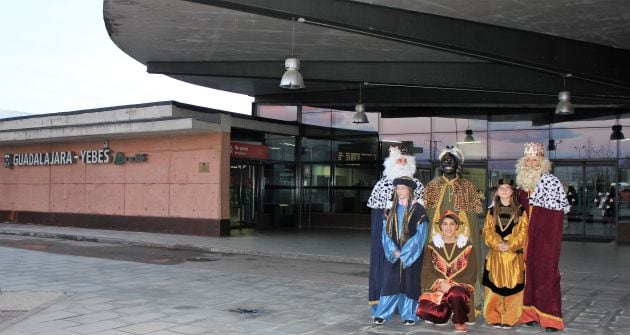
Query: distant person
[(404, 233), (505, 234), (608, 207), (397, 164), (450, 191), (543, 197), (572, 197), (447, 278)]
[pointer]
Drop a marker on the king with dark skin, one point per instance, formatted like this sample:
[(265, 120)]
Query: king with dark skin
[(449, 166), (450, 191)]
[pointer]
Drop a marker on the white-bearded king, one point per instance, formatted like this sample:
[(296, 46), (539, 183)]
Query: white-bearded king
[(398, 164), (543, 197)]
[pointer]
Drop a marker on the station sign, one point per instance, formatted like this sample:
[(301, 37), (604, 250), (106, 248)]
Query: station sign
[(249, 151)]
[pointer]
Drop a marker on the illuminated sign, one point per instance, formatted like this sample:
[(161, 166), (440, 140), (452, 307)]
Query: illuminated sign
[(249, 151)]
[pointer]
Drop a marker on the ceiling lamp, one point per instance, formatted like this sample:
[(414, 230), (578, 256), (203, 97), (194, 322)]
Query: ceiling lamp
[(359, 111), (469, 138), (564, 106), (292, 78), (617, 135)]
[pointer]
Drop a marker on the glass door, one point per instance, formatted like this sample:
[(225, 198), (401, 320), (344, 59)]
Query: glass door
[(591, 192), (243, 194)]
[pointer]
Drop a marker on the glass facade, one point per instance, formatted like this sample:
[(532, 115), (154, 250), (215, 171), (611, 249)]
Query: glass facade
[(338, 162)]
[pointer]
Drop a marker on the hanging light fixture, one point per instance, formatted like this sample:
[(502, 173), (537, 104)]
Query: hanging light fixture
[(292, 78), (564, 106), (469, 138), (617, 135), (359, 110)]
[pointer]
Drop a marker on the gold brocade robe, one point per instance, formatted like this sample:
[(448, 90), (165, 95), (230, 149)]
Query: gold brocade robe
[(505, 270), (457, 265), (459, 195)]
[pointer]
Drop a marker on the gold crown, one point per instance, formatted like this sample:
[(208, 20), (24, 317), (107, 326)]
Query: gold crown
[(534, 149)]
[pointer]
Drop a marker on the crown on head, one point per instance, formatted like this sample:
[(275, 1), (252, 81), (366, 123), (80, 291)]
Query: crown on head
[(533, 149)]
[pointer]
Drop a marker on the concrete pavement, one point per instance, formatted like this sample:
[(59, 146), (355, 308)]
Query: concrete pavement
[(106, 297)]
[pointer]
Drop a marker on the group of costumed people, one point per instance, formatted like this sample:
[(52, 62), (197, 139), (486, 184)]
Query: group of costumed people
[(426, 260)]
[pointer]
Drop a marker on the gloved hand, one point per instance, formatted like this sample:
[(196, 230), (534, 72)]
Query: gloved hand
[(438, 241), (461, 240)]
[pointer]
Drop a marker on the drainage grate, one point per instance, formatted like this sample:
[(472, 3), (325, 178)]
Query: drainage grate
[(245, 311)]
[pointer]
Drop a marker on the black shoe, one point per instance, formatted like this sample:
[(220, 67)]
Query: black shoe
[(409, 323), (379, 321), (531, 324), (551, 330)]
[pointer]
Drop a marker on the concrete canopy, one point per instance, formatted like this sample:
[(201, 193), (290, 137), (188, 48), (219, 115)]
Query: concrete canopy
[(411, 53)]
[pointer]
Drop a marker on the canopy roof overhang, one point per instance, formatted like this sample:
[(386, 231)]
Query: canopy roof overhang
[(406, 54)]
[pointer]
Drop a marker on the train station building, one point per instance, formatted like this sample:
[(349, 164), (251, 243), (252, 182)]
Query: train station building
[(335, 83)]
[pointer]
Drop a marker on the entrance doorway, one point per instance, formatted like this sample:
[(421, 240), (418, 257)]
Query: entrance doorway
[(244, 194), (592, 194)]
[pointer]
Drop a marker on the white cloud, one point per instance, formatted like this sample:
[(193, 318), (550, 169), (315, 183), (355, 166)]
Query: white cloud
[(57, 57)]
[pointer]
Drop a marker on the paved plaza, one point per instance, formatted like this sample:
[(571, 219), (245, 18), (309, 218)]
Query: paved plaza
[(69, 295)]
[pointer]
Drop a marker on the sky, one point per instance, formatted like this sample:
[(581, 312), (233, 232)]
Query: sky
[(56, 56)]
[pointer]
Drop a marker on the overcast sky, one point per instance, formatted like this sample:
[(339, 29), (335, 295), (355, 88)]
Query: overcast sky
[(56, 56)]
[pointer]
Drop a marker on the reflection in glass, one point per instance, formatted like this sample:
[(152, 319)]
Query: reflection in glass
[(351, 201), (317, 116), (472, 151), (281, 148), (420, 145), (316, 175), (405, 125), (460, 123), (584, 143), (350, 175), (317, 200), (280, 174), (356, 149), (514, 119), (509, 144), (315, 150), (277, 112), (343, 120)]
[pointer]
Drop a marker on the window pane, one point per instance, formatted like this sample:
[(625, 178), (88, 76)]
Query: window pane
[(277, 112), (509, 144), (279, 174), (351, 201), (317, 200), (316, 116), (356, 149), (459, 123), (316, 175), (472, 151), (314, 150), (343, 119), (405, 125), (508, 120), (584, 143), (356, 175), (420, 145), (281, 148)]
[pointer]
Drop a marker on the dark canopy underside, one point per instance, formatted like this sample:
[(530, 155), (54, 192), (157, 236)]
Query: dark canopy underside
[(411, 53)]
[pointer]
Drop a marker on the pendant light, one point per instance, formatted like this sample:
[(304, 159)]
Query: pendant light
[(617, 135), (359, 110), (292, 78), (564, 106)]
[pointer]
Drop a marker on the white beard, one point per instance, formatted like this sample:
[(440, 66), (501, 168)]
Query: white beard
[(528, 178), (393, 170)]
